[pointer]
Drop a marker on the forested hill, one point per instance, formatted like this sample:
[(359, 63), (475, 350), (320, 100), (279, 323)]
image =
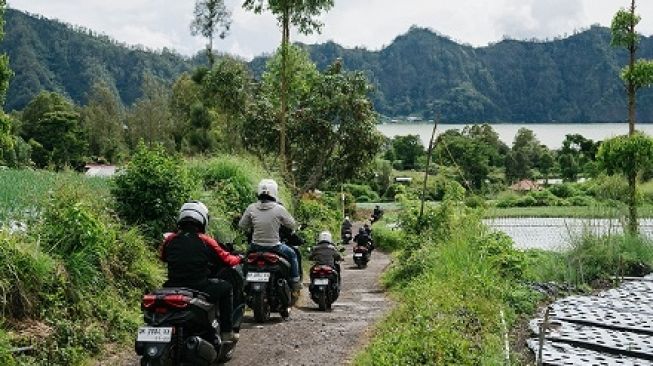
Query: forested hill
[(47, 54), (568, 80)]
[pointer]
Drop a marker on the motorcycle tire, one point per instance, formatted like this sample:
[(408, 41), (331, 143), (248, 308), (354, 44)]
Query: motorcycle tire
[(360, 265), (322, 301), (227, 356), (285, 313), (261, 308)]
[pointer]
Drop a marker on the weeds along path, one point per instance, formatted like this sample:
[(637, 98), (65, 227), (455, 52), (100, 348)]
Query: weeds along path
[(312, 337)]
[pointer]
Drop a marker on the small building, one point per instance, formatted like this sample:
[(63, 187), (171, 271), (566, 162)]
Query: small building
[(525, 185), (99, 170), (403, 180)]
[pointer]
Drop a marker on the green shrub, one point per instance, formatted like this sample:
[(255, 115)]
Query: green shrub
[(609, 188), (150, 191), (475, 202), (6, 357), (581, 201), (316, 216), (362, 193), (387, 239), (564, 190)]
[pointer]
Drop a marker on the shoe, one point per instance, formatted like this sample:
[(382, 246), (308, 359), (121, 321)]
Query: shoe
[(229, 337), (296, 286)]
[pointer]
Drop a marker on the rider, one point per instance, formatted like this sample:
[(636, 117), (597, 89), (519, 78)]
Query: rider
[(345, 228), (378, 212), (192, 256), (325, 254), (362, 239), (264, 218)]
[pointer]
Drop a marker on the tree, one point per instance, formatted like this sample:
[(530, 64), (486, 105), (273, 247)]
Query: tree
[(185, 95), (547, 162), (524, 155), (211, 19), (467, 154), (103, 120), (332, 130), (625, 155), (150, 118), (408, 149), (302, 14), (51, 126), (636, 75)]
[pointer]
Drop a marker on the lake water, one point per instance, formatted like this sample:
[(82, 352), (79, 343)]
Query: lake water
[(550, 134)]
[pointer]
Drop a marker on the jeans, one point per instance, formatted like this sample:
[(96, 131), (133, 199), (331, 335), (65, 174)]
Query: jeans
[(285, 251)]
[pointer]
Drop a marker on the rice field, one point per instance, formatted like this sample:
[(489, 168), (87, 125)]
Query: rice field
[(23, 193)]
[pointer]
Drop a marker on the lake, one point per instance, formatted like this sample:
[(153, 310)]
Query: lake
[(550, 134)]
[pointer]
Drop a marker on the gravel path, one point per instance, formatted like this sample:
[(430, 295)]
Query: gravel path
[(312, 337)]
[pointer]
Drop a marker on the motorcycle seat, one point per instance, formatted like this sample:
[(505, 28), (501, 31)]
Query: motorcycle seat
[(182, 291)]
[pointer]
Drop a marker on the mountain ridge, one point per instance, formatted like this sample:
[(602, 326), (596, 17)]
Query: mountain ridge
[(421, 73)]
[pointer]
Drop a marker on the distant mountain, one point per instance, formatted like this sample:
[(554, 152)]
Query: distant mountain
[(420, 73), (47, 54)]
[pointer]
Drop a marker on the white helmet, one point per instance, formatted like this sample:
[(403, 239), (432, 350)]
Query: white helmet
[(269, 187), (194, 211), (324, 237)]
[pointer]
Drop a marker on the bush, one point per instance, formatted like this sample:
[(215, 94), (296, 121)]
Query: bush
[(609, 188), (581, 201), (362, 193), (475, 202), (565, 190), (150, 191), (387, 239)]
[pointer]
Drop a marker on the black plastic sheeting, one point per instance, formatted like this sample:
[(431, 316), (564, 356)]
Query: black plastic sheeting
[(614, 327)]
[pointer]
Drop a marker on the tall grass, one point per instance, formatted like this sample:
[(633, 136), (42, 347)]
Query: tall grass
[(452, 281)]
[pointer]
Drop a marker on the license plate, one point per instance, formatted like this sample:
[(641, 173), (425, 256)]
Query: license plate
[(155, 335), (258, 277), (321, 281), (357, 255)]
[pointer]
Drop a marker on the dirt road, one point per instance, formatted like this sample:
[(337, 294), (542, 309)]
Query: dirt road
[(312, 337)]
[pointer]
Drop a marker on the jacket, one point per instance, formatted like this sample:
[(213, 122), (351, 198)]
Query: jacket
[(191, 257), (265, 218), (325, 254)]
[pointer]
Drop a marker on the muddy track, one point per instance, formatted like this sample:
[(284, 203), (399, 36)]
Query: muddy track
[(312, 337)]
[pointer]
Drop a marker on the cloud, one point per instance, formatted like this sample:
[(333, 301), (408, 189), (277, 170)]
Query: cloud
[(368, 23)]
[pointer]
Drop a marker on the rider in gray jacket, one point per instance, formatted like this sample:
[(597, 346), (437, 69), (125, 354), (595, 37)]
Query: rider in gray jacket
[(264, 218)]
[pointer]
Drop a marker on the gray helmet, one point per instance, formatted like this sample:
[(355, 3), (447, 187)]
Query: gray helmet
[(195, 212), (268, 187), (325, 237)]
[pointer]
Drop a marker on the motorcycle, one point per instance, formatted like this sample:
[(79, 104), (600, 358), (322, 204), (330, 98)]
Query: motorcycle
[(182, 326), (268, 281), (325, 286), (361, 256), (346, 237)]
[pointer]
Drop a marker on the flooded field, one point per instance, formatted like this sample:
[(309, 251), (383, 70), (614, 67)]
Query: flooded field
[(555, 233)]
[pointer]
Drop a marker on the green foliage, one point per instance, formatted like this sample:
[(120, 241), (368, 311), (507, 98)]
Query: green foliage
[(641, 75), (150, 191), (102, 119), (301, 74), (452, 281), (361, 190), (211, 19), (317, 215), (301, 13), (622, 23), (609, 188), (407, 149), (387, 239), (624, 154), (52, 127), (150, 118)]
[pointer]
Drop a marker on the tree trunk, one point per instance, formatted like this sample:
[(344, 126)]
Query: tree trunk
[(632, 119), (426, 172), (209, 53), (285, 40)]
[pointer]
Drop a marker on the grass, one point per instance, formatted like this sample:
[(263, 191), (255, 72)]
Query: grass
[(23, 192), (451, 282)]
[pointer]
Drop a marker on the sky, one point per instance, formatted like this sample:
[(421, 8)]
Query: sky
[(366, 23)]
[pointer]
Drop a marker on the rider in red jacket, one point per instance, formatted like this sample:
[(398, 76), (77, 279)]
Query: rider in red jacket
[(193, 257)]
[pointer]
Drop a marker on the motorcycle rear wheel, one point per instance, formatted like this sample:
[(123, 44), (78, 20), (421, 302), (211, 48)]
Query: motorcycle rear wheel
[(261, 308), (322, 301)]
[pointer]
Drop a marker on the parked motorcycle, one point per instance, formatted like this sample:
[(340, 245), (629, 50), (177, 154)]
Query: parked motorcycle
[(182, 326), (325, 286), (361, 256)]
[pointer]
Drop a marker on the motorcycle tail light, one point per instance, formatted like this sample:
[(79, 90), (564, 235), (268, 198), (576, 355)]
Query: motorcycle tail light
[(272, 258), (252, 257), (148, 301), (177, 301), (261, 264)]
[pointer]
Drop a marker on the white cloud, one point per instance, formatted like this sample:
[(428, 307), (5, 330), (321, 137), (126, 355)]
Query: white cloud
[(369, 23)]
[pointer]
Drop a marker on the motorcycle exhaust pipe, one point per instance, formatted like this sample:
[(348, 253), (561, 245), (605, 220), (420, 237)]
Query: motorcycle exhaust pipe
[(284, 291), (201, 351)]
